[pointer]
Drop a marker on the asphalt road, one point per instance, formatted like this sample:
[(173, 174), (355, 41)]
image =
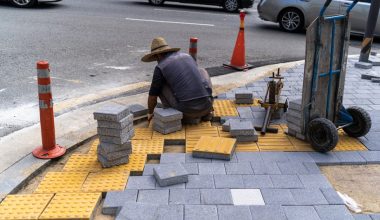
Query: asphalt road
[(97, 44)]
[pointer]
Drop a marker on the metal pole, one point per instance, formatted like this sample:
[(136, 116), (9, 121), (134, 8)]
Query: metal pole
[(370, 29)]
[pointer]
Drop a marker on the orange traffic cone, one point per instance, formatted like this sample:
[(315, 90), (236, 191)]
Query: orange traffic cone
[(238, 56)]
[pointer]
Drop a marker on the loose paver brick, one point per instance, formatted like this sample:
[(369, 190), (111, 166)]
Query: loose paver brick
[(138, 211), (201, 212), (106, 148), (216, 197), (115, 132), (24, 206), (200, 182), (167, 115), (214, 147), (141, 182), (247, 197), (60, 182), (153, 196), (308, 197), (105, 181), (106, 163), (234, 212), (270, 212), (112, 112), (116, 125), (332, 196), (172, 212), (333, 212), (185, 196), (228, 181), (211, 168), (242, 128), (257, 181), (138, 110), (166, 130), (243, 168), (286, 181), (170, 174), (117, 140), (315, 181), (72, 206), (115, 200), (301, 213), (278, 197)]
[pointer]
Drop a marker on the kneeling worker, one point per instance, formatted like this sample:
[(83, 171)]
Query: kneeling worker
[(178, 82)]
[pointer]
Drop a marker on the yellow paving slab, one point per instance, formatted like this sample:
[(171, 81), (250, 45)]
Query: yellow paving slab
[(347, 143), (202, 131), (247, 147), (203, 124), (24, 206), (136, 164), (82, 163), (277, 148), (152, 146), (105, 181), (190, 144), (216, 145), (72, 206), (223, 133), (143, 134), (225, 108), (94, 147), (56, 182), (283, 141), (179, 135)]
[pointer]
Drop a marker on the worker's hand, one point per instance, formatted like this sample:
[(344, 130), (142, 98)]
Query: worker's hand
[(150, 117)]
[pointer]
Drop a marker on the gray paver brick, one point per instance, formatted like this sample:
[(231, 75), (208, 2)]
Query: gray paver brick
[(274, 156), (372, 157), (108, 148), (332, 196), (175, 186), (257, 181), (278, 197), (243, 94), (106, 163), (153, 196), (192, 168), (200, 182), (292, 168), (315, 181), (350, 157), (267, 212), (167, 115), (167, 130), (140, 211), (173, 158), (234, 212), (248, 156), (247, 138), (117, 140), (190, 159), (127, 121), (185, 196), (141, 182), (301, 213), (308, 197), (138, 110), (165, 125), (244, 101), (148, 169), (300, 157), (170, 212), (115, 132), (333, 212), (170, 174), (201, 212), (375, 216), (116, 199), (325, 158), (241, 128), (286, 181), (211, 168), (228, 181), (238, 168), (312, 167), (261, 167), (216, 197), (111, 112), (362, 217), (232, 159), (113, 156)]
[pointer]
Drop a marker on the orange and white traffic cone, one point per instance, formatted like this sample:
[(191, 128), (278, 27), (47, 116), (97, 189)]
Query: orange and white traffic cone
[(49, 148), (238, 56), (193, 48)]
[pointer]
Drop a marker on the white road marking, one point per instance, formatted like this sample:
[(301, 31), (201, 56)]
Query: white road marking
[(169, 22), (2, 90), (118, 67), (193, 12)]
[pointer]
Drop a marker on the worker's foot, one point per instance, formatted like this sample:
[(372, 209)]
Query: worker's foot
[(208, 117)]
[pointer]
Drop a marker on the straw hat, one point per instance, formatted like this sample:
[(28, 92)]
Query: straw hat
[(159, 45)]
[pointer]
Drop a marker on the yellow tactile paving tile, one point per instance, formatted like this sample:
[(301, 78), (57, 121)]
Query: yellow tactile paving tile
[(143, 134), (62, 182), (203, 131), (72, 206), (225, 108), (216, 145), (83, 163), (247, 147), (347, 143), (94, 147), (255, 103), (223, 133), (105, 181), (136, 164), (24, 206), (179, 135), (153, 146), (284, 141), (190, 144), (203, 124)]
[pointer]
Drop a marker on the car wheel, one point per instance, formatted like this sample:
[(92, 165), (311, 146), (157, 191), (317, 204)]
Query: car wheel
[(291, 20), (156, 2), (24, 3), (231, 5)]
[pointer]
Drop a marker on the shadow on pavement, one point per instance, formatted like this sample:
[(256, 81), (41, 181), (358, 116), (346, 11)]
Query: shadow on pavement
[(41, 5)]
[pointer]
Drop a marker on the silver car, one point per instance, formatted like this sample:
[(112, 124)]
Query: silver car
[(295, 15)]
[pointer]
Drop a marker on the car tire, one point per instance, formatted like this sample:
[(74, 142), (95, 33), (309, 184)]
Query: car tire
[(231, 5), (291, 20), (156, 2), (24, 3)]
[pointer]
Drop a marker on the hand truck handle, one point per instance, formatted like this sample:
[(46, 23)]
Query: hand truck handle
[(325, 6), (351, 6)]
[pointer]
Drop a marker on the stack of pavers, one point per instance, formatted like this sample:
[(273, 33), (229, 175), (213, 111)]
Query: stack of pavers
[(243, 97), (167, 120), (294, 119), (115, 130), (243, 131)]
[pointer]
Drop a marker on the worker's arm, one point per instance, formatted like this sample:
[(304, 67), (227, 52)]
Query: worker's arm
[(152, 102), (155, 91)]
